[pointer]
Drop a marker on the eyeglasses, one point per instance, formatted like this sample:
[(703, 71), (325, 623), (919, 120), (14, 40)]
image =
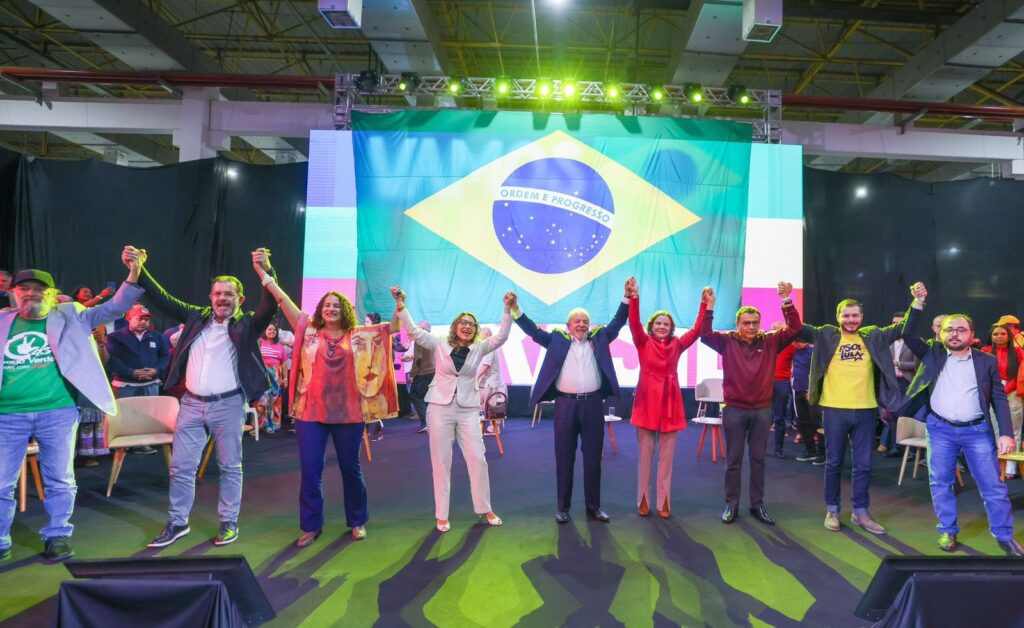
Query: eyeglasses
[(960, 331), (749, 323), (465, 322)]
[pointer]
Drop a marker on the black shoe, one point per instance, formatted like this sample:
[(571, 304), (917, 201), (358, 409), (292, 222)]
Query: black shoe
[(228, 533), (807, 457), (729, 514), (5, 554), (947, 542), (170, 534), (142, 449), (57, 549), (780, 455), (762, 515), (819, 461), (598, 515), (562, 516), (1012, 548)]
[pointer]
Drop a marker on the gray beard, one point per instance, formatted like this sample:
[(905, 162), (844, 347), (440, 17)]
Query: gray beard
[(33, 309)]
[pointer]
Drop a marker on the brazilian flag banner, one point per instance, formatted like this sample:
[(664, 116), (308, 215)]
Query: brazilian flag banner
[(458, 207)]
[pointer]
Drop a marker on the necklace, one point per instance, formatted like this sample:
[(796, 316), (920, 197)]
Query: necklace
[(332, 344)]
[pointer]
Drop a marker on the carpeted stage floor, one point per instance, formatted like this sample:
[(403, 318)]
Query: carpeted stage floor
[(689, 570)]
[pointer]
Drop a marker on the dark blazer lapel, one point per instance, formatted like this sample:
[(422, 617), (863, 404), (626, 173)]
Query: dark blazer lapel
[(984, 381)]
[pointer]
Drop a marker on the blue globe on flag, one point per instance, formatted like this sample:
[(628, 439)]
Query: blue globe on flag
[(553, 215)]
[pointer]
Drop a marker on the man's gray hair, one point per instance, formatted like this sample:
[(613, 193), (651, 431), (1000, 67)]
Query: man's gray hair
[(575, 312)]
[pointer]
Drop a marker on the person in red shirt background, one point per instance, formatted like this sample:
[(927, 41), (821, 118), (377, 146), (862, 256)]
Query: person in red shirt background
[(782, 391), (658, 411), (1010, 358)]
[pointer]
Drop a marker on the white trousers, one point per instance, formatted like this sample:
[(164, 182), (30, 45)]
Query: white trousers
[(445, 423)]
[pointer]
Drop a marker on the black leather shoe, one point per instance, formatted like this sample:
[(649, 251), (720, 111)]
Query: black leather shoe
[(58, 548), (729, 514), (562, 516), (762, 515), (598, 515), (1012, 548)]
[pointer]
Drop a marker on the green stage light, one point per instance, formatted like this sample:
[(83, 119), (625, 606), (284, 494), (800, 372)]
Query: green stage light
[(408, 81), (503, 86), (612, 92), (739, 95), (569, 89), (455, 84), (694, 92), (544, 89), (658, 93)]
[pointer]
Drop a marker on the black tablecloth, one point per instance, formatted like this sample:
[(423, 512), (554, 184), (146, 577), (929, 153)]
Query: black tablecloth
[(145, 602), (958, 599)]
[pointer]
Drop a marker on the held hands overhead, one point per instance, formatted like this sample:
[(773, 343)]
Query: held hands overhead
[(261, 261), (918, 291), (785, 289), (632, 288), (707, 296)]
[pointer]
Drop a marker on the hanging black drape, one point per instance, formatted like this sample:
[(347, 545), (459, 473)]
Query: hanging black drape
[(964, 239), (195, 219)]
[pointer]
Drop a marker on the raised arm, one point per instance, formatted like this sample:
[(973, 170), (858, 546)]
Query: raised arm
[(615, 325), (161, 299), (636, 328), (793, 326), (124, 298), (499, 338), (908, 332), (691, 335), (421, 337), (291, 312), (892, 333), (265, 311), (541, 337), (710, 337)]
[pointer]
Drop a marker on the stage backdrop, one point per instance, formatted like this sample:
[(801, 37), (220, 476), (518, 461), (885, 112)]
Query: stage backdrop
[(740, 237)]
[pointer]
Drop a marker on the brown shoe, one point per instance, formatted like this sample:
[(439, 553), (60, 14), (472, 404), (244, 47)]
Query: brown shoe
[(665, 512), (881, 449), (643, 509), (308, 538)]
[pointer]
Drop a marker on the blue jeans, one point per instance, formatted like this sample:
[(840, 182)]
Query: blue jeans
[(55, 431), (223, 419), (313, 437), (137, 391), (859, 427), (978, 444)]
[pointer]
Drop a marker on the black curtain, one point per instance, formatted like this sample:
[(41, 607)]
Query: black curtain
[(869, 237), (197, 220)]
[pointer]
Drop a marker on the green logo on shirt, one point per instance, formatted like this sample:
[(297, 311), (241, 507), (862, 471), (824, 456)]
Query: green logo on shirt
[(27, 349)]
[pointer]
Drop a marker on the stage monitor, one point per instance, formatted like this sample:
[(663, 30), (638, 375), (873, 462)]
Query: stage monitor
[(233, 571), (894, 571)]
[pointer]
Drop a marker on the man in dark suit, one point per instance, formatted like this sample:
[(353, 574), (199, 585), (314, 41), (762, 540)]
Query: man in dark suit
[(578, 374), (957, 385), (138, 355)]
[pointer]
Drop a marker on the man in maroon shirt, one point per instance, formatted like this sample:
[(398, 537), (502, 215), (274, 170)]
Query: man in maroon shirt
[(748, 363)]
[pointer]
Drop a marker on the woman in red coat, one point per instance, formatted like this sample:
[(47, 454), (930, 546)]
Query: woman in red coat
[(658, 412)]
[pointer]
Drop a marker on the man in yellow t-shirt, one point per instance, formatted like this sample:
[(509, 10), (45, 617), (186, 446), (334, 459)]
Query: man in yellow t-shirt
[(851, 377)]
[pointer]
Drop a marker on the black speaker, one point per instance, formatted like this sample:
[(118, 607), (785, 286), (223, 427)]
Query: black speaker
[(242, 585), (1004, 579)]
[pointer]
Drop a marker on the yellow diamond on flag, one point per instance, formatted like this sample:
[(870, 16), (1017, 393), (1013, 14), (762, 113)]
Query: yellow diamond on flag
[(550, 232)]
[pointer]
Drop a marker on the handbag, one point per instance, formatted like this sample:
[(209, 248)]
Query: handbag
[(496, 406)]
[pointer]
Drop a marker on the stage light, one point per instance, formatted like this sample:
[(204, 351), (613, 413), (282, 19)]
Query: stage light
[(739, 95), (569, 89), (455, 84), (657, 93), (612, 92), (503, 85), (409, 81), (368, 81), (544, 89), (861, 192), (694, 92)]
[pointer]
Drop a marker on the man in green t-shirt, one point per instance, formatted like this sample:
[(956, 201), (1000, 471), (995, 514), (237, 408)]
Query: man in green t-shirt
[(49, 360)]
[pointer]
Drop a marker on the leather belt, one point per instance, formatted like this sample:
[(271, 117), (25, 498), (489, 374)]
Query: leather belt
[(218, 397), (578, 395), (976, 421)]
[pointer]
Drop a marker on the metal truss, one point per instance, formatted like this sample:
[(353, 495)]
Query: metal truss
[(635, 98)]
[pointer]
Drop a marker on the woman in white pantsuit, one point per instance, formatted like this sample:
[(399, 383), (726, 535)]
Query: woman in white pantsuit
[(453, 403)]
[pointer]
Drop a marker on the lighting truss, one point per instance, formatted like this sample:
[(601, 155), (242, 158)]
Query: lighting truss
[(633, 97)]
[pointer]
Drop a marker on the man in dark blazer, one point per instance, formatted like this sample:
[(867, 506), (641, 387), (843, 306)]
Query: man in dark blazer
[(138, 355), (218, 358), (957, 385), (577, 373)]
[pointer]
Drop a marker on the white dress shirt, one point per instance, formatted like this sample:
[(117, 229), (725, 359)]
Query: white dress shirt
[(212, 364), (955, 396), (580, 373)]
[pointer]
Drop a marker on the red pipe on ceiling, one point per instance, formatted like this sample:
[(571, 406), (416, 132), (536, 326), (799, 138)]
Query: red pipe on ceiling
[(268, 81)]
